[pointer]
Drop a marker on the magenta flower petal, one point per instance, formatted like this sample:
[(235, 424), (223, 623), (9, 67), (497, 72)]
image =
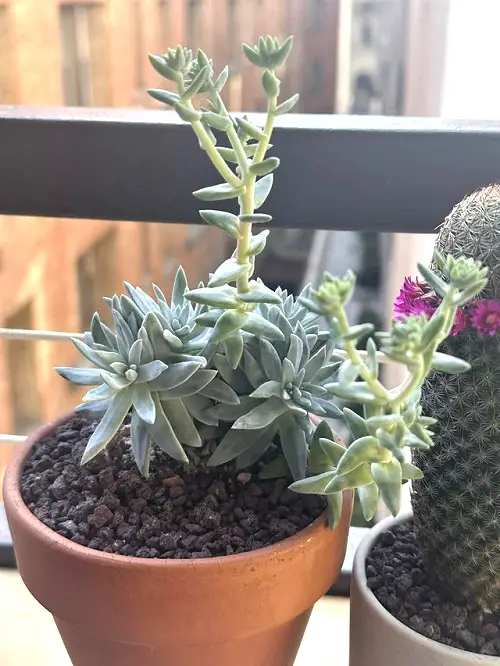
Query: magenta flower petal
[(485, 317), (461, 322), (415, 297)]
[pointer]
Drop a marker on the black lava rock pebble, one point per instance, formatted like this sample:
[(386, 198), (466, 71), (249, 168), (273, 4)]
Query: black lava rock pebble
[(179, 511), (397, 574)]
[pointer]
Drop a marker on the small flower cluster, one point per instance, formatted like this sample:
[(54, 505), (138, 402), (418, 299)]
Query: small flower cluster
[(417, 297)]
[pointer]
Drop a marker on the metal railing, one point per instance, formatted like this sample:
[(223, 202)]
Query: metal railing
[(338, 172)]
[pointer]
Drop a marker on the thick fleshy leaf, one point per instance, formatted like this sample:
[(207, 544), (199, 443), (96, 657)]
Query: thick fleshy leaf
[(259, 293), (287, 105), (368, 498), (233, 444), (250, 130), (334, 509), (219, 192), (253, 370), (143, 403), (235, 378), (191, 386), (295, 351), (98, 333), (357, 392), (313, 485), (219, 297), (179, 288), (265, 167), (141, 444), (256, 218), (119, 368), (257, 450), (231, 413), (449, 364), (96, 409), (154, 332), (261, 416), (326, 372), (356, 478), (293, 443), (100, 359), (257, 243), (288, 372), (151, 371), (388, 477), (221, 392), (233, 348), (267, 390), (198, 406), (411, 472), (355, 423), (163, 434), (348, 372), (106, 429), (147, 352), (262, 189), (228, 323), (81, 376), (331, 410), (175, 375), (229, 271), (333, 450), (182, 423), (362, 450), (114, 381), (135, 353), (226, 221), (319, 460), (99, 393), (270, 361)]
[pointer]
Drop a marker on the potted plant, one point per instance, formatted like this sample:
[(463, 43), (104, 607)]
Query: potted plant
[(155, 522), (426, 585), (189, 511)]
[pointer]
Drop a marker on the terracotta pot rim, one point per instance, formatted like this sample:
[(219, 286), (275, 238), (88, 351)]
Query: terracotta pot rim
[(359, 573), (12, 496)]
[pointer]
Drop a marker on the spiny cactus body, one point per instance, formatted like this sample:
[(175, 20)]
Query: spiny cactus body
[(457, 502)]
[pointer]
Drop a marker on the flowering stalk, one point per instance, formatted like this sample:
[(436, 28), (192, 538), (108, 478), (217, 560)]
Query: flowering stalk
[(375, 463)]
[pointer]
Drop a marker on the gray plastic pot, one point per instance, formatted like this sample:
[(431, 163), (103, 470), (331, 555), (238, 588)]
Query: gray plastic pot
[(379, 639)]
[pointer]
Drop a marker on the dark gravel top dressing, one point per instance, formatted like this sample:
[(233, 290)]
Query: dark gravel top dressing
[(397, 575), (179, 511)]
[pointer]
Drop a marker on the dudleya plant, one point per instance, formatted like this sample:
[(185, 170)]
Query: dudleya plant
[(251, 362)]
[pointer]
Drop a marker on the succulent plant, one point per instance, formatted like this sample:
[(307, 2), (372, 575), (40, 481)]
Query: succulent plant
[(375, 462), (457, 504)]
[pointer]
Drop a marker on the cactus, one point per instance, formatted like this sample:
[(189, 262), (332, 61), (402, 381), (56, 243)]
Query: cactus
[(457, 502)]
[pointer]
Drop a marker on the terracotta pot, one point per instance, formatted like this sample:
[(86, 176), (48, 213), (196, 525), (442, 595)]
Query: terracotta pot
[(246, 610), (377, 638)]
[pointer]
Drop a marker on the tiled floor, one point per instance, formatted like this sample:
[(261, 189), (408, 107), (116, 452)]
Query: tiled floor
[(28, 636)]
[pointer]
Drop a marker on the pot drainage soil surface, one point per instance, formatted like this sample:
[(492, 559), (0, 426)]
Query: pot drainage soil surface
[(397, 576), (179, 511)]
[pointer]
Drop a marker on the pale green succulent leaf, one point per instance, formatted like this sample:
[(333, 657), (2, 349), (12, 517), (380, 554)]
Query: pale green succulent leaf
[(319, 461), (233, 444), (257, 243), (330, 409), (259, 293), (313, 485), (294, 354), (81, 376), (180, 287), (114, 381), (388, 477), (219, 297), (314, 364), (163, 434), (355, 423), (163, 96), (287, 372), (143, 403), (267, 390), (293, 444), (231, 413), (368, 499), (99, 393), (363, 450), (256, 218), (260, 327), (226, 221), (253, 56), (253, 370), (270, 361), (250, 129), (221, 392), (235, 378), (99, 358), (150, 371), (175, 375), (449, 364), (255, 452), (333, 450), (356, 478), (348, 372), (265, 167), (229, 271), (233, 349), (154, 331), (193, 385), (262, 189), (287, 105), (357, 392), (411, 472), (219, 192), (107, 428), (359, 331), (198, 406), (182, 423), (135, 353), (141, 444), (262, 415), (334, 509), (228, 323), (371, 357)]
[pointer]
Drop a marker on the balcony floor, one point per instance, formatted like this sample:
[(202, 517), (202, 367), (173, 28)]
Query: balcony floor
[(29, 635)]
